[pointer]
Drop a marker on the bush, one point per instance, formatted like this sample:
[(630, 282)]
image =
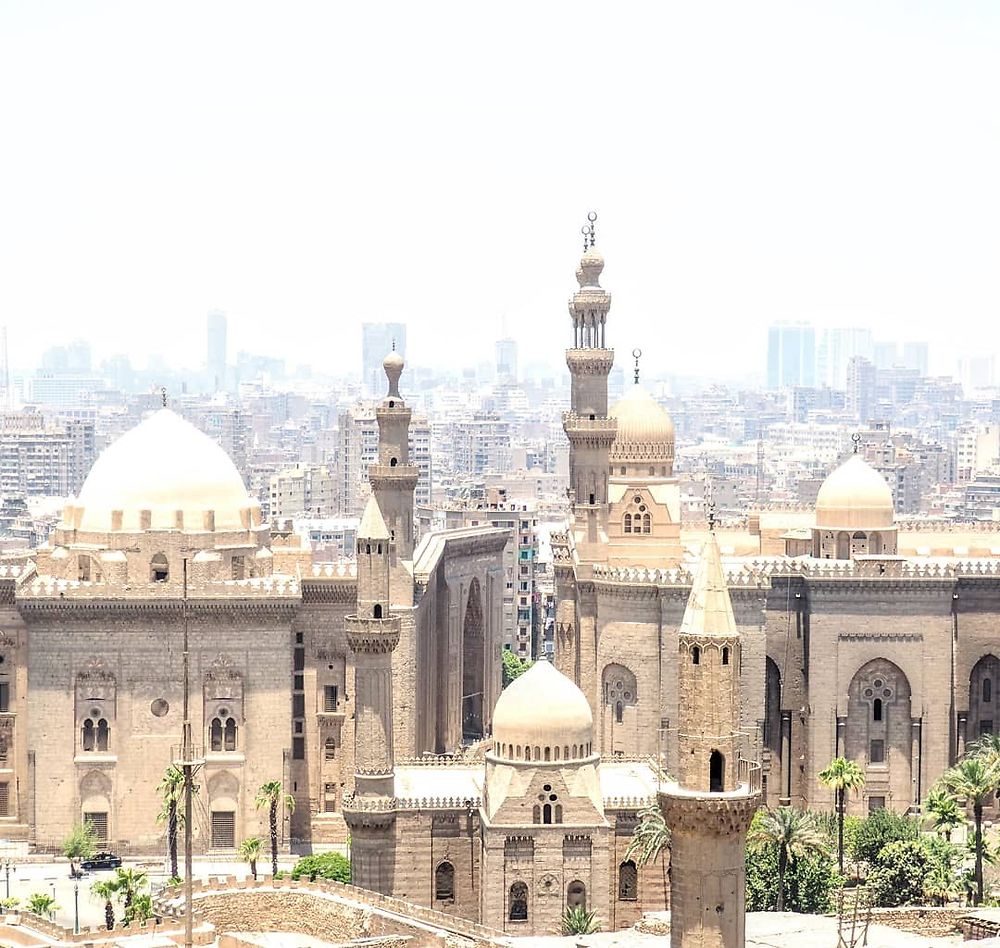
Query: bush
[(810, 881), (323, 866), (897, 877), (871, 835), (513, 666)]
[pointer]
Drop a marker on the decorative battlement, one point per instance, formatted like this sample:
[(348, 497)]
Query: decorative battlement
[(271, 587), (716, 814), (341, 568), (372, 636), (590, 361), (399, 475)]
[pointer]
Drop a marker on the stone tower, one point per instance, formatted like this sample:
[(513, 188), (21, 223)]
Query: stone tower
[(587, 425), (393, 479), (372, 635), (709, 807)]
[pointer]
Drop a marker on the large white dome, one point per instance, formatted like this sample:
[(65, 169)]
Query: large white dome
[(645, 428), (854, 497), (543, 709), (163, 465)]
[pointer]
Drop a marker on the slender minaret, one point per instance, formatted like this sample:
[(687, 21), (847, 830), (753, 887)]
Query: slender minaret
[(709, 807), (587, 425), (372, 635), (393, 479)]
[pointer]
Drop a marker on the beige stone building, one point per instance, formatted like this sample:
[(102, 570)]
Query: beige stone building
[(163, 535)]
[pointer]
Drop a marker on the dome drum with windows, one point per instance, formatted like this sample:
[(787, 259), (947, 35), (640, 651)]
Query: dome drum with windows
[(644, 439)]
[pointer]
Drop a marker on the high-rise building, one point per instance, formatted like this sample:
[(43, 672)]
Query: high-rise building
[(791, 355), (215, 359), (836, 348), (377, 341), (860, 401), (885, 355), (506, 361), (915, 356)]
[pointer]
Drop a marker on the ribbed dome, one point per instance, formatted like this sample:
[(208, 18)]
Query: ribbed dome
[(543, 709), (163, 465), (645, 429), (854, 497)]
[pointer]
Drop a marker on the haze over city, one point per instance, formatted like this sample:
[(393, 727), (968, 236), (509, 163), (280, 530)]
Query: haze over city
[(315, 167)]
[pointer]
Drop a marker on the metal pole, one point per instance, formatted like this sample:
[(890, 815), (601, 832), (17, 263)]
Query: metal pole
[(7, 868), (76, 908), (187, 754)]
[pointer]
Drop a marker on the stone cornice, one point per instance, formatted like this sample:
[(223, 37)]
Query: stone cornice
[(42, 610)]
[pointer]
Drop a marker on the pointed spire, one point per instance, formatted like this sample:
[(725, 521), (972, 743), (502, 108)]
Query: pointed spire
[(709, 610), (372, 526)]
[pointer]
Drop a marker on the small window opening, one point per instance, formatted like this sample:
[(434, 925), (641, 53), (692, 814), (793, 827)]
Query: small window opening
[(444, 882), (716, 765), (518, 911), (159, 569), (987, 690), (377, 610), (696, 656), (877, 709), (725, 654), (547, 813)]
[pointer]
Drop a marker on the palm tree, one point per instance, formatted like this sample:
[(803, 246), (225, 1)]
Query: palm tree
[(250, 851), (941, 886), (268, 797), (842, 775), (105, 889), (945, 809), (649, 837), (141, 908), (129, 884), (794, 833), (974, 779), (171, 790)]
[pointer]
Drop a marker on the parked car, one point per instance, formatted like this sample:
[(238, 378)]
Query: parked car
[(102, 861)]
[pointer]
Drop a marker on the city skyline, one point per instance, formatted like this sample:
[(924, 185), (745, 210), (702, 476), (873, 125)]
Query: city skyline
[(333, 186)]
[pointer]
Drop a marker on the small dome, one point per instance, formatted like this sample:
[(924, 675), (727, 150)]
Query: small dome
[(591, 266), (393, 365), (645, 429), (543, 708), (163, 465), (854, 497)]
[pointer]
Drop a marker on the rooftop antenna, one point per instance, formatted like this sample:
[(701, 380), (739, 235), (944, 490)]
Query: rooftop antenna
[(710, 504), (637, 355), (589, 231), (163, 395), (856, 438)]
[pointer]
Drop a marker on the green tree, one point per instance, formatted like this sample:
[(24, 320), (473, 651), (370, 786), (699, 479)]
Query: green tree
[(171, 791), (577, 920), (141, 909), (872, 834), (898, 876), (79, 844), (974, 779), (842, 775), (105, 890), (809, 884), (944, 808), (269, 796), (794, 832), (250, 850), (129, 885), (323, 866), (41, 903), (649, 837), (513, 666)]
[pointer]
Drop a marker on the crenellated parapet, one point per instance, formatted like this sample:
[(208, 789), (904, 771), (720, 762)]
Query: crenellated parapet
[(372, 636)]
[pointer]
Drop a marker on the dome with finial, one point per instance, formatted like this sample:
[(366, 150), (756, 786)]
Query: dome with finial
[(393, 365), (854, 497), (590, 269), (645, 428)]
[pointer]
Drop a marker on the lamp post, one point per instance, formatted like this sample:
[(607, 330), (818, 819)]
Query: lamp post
[(7, 866), (76, 908)]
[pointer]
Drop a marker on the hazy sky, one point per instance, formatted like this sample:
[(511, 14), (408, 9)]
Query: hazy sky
[(306, 166)]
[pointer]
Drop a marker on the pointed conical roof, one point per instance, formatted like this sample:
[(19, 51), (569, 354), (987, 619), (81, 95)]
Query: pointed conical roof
[(709, 610), (372, 526)]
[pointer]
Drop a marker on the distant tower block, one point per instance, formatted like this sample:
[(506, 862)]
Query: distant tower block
[(710, 807)]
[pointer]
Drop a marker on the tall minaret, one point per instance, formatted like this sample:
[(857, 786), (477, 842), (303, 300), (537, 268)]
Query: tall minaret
[(393, 479), (372, 635), (709, 807), (587, 425)]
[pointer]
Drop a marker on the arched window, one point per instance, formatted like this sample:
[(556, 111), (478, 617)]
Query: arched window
[(877, 709), (622, 469), (652, 470), (628, 523), (536, 814), (103, 732), (566, 752), (619, 710), (647, 523), (716, 769), (215, 734), (88, 735), (547, 813), (444, 882), (229, 735), (987, 690), (159, 569), (628, 881), (548, 753), (377, 610), (536, 754), (393, 462), (330, 749), (576, 895), (575, 755), (518, 911), (725, 654), (368, 549), (696, 656), (557, 752), (558, 813)]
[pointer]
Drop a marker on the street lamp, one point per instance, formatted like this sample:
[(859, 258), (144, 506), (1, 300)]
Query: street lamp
[(7, 866), (76, 908)]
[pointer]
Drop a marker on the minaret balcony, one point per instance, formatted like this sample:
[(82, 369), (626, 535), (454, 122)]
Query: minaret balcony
[(372, 636)]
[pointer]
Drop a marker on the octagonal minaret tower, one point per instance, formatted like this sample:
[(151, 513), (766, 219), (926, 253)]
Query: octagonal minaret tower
[(589, 429), (393, 479), (709, 807)]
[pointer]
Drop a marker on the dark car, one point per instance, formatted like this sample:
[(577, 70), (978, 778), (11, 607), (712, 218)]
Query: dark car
[(102, 861)]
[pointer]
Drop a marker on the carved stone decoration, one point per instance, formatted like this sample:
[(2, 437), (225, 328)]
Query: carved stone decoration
[(223, 681), (548, 886)]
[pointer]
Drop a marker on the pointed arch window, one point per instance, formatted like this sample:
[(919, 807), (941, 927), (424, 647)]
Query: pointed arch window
[(518, 911), (103, 733), (88, 735), (647, 523), (628, 881), (725, 654), (229, 734), (628, 523), (696, 655), (444, 882), (716, 771)]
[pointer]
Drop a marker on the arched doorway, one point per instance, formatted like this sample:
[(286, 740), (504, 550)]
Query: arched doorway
[(879, 733), (983, 718), (716, 772), (772, 724), (473, 661)]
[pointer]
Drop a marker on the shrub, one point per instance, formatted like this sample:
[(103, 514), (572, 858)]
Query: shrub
[(810, 881), (323, 866), (578, 921), (897, 877), (872, 834)]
